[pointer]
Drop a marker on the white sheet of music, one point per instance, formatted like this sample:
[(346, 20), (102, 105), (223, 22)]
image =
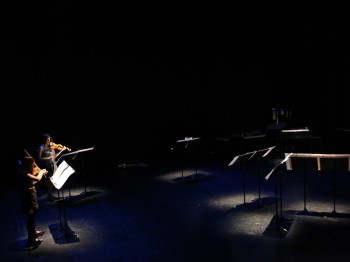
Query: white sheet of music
[(268, 151), (236, 157), (284, 160), (233, 160), (61, 175)]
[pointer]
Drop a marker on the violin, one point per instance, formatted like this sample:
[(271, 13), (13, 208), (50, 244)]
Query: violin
[(36, 170), (58, 146)]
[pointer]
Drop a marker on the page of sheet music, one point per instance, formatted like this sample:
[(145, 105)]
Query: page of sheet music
[(61, 175)]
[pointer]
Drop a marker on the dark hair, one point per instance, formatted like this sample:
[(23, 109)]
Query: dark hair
[(28, 163), (46, 136)]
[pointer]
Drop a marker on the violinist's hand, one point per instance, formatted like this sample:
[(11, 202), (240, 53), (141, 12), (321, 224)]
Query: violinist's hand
[(45, 172), (64, 148)]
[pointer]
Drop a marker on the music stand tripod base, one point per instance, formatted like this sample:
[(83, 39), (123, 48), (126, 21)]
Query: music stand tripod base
[(305, 212), (278, 227), (68, 233)]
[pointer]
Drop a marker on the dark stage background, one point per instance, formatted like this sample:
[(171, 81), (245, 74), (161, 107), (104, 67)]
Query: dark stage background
[(127, 79)]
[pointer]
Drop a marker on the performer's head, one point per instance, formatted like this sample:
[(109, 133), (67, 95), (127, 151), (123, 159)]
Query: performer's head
[(28, 163), (47, 138)]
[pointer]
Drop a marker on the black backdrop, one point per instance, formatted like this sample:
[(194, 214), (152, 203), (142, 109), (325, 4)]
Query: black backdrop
[(115, 76)]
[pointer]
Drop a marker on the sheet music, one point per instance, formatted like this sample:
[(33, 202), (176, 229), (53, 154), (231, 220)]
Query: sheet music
[(236, 157), (253, 154), (284, 160), (61, 175), (233, 160), (268, 151)]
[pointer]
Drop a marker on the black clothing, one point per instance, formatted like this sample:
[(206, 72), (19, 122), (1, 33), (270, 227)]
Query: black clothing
[(29, 203), (29, 199), (51, 166)]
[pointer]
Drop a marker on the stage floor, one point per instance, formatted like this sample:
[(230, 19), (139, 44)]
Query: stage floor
[(207, 212)]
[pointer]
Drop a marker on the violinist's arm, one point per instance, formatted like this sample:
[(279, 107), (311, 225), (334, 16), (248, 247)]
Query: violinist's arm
[(38, 177), (64, 148)]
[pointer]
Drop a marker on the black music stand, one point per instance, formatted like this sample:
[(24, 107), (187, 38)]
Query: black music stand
[(260, 154), (72, 156), (334, 212), (242, 159), (335, 171), (187, 141), (305, 211), (279, 223), (295, 139), (333, 168), (59, 178)]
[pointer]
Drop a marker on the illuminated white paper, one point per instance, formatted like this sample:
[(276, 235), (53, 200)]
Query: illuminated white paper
[(284, 160), (61, 175)]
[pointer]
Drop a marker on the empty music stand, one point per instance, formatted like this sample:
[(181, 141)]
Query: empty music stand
[(278, 222), (318, 157), (187, 141), (298, 136), (242, 159), (305, 211), (336, 170), (59, 178), (334, 212)]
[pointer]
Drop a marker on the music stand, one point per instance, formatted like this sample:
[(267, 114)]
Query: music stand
[(295, 139), (318, 158), (73, 155), (59, 178), (187, 141), (259, 154), (334, 212), (305, 211), (242, 159), (278, 219), (336, 170)]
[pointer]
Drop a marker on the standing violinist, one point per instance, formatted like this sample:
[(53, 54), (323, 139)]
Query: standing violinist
[(30, 174), (47, 157)]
